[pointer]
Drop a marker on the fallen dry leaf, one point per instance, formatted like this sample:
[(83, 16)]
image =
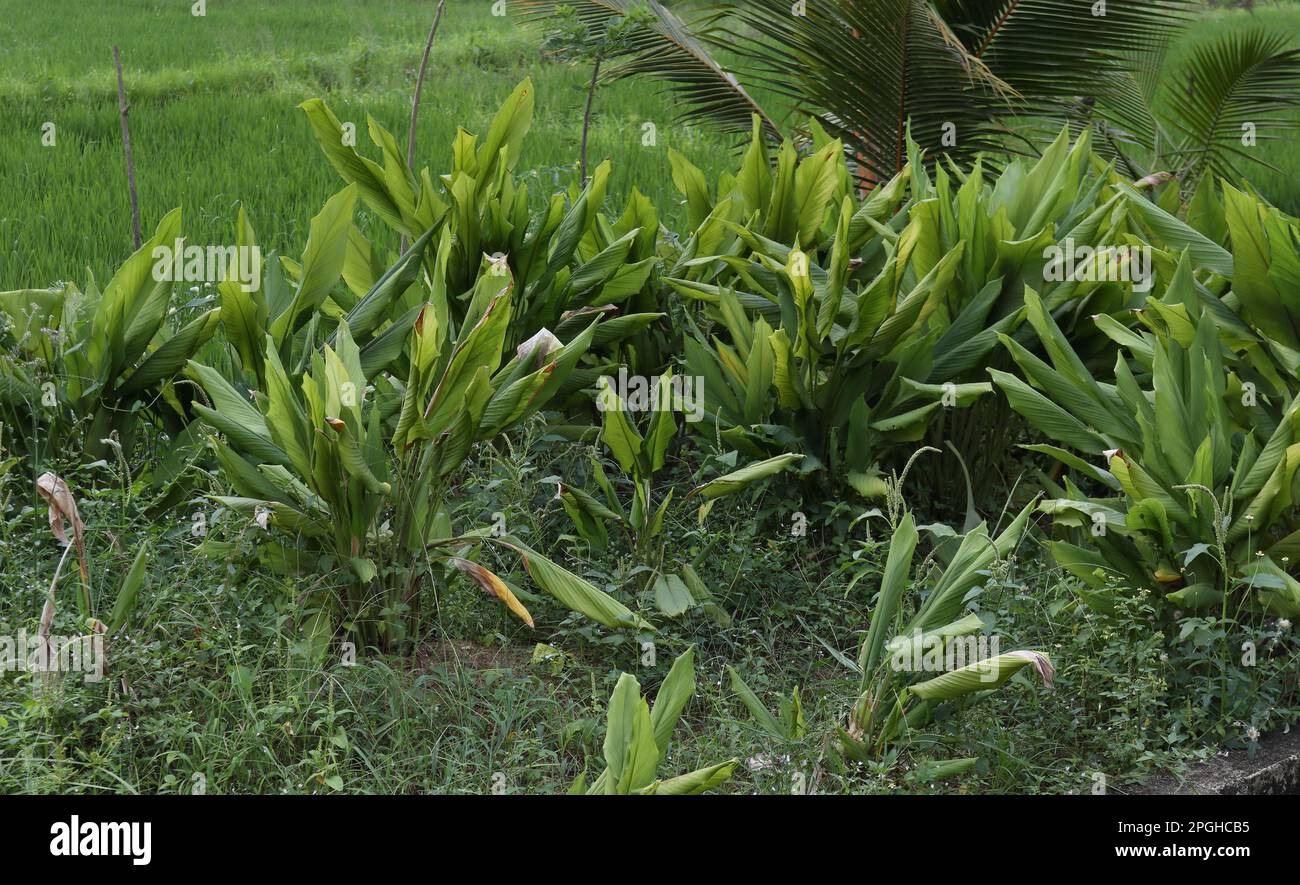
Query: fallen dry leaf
[(63, 507)]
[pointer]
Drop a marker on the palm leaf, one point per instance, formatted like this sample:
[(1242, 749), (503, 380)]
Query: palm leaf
[(673, 48), (867, 69), (1251, 77), (1054, 52)]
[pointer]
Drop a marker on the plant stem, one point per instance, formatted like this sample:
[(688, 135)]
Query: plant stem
[(419, 86), (586, 118), (122, 111), (415, 99)]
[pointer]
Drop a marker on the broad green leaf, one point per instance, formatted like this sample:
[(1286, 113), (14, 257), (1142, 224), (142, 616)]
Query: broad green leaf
[(696, 782), (322, 261), (367, 175), (898, 568), (983, 675), (739, 479), (671, 595), (675, 693), (128, 592), (573, 592), (761, 715), (172, 355)]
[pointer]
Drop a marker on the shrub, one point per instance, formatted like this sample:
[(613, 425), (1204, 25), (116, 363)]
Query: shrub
[(849, 330), (350, 467), (1201, 503), (83, 368), (569, 262)]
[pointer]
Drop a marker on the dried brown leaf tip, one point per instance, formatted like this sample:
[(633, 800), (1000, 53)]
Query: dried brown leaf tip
[(539, 347), (63, 509), (493, 586), (1155, 179), (1042, 665)]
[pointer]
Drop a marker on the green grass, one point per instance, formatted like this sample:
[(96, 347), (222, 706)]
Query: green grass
[(214, 119), (204, 681)]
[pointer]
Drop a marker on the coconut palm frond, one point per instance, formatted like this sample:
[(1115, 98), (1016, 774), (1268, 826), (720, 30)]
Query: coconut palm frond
[(1234, 86), (674, 48)]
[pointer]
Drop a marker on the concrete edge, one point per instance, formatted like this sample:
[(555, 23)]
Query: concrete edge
[(1273, 771)]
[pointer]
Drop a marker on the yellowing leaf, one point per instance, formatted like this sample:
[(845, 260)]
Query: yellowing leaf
[(493, 586)]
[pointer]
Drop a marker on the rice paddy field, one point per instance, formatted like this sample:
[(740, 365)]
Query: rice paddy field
[(215, 122)]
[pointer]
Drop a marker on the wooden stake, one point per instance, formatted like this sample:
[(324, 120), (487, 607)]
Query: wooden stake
[(126, 146)]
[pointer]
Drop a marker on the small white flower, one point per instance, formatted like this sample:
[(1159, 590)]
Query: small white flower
[(1284, 624), (1252, 733)]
